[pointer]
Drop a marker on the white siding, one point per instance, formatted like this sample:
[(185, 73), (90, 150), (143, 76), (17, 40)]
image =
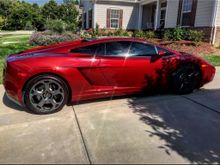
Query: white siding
[(204, 13), (171, 13), (218, 15), (130, 14)]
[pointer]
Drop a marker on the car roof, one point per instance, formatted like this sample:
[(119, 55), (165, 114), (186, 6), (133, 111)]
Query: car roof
[(109, 39)]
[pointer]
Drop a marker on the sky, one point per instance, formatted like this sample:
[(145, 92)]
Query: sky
[(41, 2)]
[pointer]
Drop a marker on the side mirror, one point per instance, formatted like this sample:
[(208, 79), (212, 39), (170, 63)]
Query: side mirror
[(161, 53)]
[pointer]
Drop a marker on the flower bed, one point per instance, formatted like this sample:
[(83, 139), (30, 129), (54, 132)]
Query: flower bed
[(48, 38)]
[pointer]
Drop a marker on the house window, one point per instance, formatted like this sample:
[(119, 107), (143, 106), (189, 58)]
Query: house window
[(114, 18), (187, 6), (186, 12)]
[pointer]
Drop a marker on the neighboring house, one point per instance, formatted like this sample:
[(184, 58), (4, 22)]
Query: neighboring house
[(154, 14)]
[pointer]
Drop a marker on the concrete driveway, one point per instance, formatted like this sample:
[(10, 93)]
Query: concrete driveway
[(155, 129)]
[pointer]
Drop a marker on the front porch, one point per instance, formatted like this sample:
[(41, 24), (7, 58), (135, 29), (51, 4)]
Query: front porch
[(152, 14)]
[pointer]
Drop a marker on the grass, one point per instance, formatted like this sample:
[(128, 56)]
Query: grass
[(10, 44), (213, 59)]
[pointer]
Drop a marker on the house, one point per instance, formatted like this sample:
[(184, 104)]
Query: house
[(154, 14)]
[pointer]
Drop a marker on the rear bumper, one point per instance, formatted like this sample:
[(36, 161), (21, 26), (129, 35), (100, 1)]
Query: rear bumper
[(13, 81)]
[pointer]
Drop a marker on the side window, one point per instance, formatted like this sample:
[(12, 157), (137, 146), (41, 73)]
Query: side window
[(91, 49), (141, 49), (100, 49), (167, 52), (119, 48)]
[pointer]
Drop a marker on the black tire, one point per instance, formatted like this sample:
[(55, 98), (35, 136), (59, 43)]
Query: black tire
[(185, 79), (50, 89)]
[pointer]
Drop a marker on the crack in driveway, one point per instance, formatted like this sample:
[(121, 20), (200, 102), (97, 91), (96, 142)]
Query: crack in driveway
[(82, 137)]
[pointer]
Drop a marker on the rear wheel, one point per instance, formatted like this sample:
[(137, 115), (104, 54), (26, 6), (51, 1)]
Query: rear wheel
[(185, 79), (46, 94)]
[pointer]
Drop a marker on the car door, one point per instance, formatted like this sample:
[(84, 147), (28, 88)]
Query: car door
[(130, 67), (90, 76), (113, 62)]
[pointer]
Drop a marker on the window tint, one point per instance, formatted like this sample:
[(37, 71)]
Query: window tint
[(100, 49), (167, 53), (85, 50), (140, 49), (119, 48)]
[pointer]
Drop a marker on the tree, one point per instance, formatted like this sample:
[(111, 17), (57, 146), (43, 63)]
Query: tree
[(50, 10), (76, 2), (3, 22), (69, 14)]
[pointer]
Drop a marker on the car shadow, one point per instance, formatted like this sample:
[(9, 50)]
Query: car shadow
[(9, 103), (189, 129)]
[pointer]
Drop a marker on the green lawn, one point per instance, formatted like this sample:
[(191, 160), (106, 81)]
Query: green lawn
[(10, 44), (213, 59)]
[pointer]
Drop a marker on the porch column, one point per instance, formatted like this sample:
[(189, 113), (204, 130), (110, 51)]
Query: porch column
[(156, 15), (140, 16)]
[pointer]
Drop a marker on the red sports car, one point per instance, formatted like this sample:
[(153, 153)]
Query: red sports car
[(44, 79)]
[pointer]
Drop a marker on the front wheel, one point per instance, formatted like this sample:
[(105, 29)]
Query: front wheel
[(185, 79), (46, 94)]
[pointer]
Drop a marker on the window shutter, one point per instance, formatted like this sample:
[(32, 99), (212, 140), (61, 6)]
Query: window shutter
[(121, 19), (179, 13), (108, 18), (193, 13)]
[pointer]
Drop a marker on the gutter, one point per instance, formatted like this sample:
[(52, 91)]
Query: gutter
[(214, 28)]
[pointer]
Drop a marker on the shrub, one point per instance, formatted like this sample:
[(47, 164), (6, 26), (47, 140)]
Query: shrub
[(29, 26), (178, 34), (57, 26), (71, 27), (195, 35), (110, 33), (119, 32), (150, 34), (43, 39), (167, 34), (96, 30), (2, 22), (138, 34)]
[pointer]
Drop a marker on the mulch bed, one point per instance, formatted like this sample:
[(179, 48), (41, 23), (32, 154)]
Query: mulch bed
[(200, 49)]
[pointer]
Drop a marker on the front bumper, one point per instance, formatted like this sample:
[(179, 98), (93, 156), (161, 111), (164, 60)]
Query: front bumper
[(208, 72)]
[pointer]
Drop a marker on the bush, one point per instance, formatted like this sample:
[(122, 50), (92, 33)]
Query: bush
[(138, 34), (2, 22), (178, 34), (167, 35), (195, 35), (29, 26), (150, 34), (121, 32), (71, 27), (57, 26), (43, 38)]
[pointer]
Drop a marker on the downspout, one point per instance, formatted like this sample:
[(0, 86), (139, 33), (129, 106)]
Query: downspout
[(214, 28)]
